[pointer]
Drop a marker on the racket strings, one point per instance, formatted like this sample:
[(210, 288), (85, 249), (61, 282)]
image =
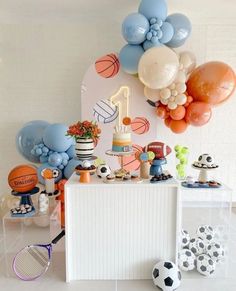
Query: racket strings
[(31, 262)]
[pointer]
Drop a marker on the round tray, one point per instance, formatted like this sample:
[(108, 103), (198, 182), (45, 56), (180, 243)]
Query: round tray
[(207, 169), (119, 154)]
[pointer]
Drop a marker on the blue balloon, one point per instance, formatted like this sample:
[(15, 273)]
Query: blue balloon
[(134, 28), (55, 138), (153, 9), (28, 136), (43, 159), (44, 166), (55, 160), (182, 29), (70, 168), (168, 32), (148, 44), (71, 152), (129, 58)]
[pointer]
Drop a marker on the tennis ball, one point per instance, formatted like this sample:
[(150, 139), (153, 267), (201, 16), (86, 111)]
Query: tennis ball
[(183, 161), (185, 150), (177, 148)]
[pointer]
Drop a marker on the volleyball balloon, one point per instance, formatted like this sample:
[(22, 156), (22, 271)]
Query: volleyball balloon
[(105, 111)]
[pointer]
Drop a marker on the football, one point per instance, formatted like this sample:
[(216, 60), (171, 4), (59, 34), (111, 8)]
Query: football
[(197, 246), (166, 276), (160, 149), (184, 238), (103, 171), (206, 232), (215, 251), (205, 265), (186, 260)]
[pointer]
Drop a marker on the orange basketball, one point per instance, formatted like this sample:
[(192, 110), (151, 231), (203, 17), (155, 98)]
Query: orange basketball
[(107, 66), (130, 162), (140, 125), (23, 178)]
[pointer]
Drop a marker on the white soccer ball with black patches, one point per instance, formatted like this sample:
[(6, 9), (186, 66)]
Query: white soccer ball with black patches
[(205, 265), (166, 276), (184, 238), (197, 246), (216, 252), (103, 171), (206, 232), (186, 260)]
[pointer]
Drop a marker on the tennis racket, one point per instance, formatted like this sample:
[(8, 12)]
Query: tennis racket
[(33, 261)]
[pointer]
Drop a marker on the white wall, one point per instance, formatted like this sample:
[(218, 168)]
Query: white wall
[(46, 47)]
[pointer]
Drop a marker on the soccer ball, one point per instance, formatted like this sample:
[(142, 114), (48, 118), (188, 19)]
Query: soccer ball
[(103, 171), (206, 232), (205, 265), (186, 260), (215, 251), (166, 275), (197, 246), (184, 238)]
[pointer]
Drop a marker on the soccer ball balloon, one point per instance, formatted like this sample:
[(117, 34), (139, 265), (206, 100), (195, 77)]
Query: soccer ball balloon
[(215, 251), (186, 260), (205, 265), (166, 276), (103, 171), (184, 238), (197, 246), (206, 232)]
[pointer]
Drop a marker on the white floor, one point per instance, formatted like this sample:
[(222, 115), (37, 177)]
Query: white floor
[(55, 280)]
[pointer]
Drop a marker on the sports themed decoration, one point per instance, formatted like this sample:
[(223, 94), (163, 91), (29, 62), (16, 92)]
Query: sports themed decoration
[(206, 232), (205, 265), (184, 238), (105, 111), (107, 66), (103, 171), (186, 260), (140, 125), (215, 251), (166, 276), (197, 246), (181, 154)]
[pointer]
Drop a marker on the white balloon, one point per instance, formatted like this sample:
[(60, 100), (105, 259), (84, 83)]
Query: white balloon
[(188, 60), (158, 67), (152, 94), (174, 93), (172, 105), (165, 93), (164, 101), (181, 87), (181, 99), (181, 77)]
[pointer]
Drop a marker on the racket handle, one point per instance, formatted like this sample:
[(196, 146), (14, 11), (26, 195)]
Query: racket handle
[(57, 238)]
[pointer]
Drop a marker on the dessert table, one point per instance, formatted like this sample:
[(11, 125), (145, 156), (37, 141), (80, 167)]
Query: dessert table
[(119, 230)]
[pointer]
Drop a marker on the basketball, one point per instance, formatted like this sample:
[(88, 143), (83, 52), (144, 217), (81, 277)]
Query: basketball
[(23, 178), (140, 125), (107, 66), (105, 111), (130, 162)]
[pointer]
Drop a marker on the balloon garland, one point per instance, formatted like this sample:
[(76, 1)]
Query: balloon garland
[(182, 94)]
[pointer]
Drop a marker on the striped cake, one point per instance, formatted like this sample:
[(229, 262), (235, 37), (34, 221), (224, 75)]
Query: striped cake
[(122, 142)]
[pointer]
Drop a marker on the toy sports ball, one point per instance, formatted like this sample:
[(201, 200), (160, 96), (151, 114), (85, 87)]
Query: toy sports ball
[(103, 171), (186, 260), (131, 163), (205, 265), (140, 125), (166, 276), (197, 246), (160, 149), (105, 111), (215, 251), (107, 66), (206, 232), (184, 238), (23, 178)]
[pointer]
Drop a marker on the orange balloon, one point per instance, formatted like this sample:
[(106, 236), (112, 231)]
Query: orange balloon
[(178, 113), (126, 120), (167, 121), (198, 113), (178, 126), (213, 83), (162, 112)]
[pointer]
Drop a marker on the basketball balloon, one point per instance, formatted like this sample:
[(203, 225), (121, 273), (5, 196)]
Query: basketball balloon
[(140, 125), (23, 178), (130, 162), (107, 66), (212, 83)]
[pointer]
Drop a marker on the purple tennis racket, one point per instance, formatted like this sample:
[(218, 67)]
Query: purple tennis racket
[(33, 261)]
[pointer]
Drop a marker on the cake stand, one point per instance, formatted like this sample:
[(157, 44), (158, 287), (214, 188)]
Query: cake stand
[(120, 155), (85, 175)]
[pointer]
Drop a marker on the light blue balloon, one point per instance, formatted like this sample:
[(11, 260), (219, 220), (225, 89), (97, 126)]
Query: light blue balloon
[(55, 160), (55, 138), (44, 166), (129, 58), (70, 168), (153, 9), (168, 32), (134, 28), (28, 136), (43, 159), (148, 44), (182, 29), (71, 152)]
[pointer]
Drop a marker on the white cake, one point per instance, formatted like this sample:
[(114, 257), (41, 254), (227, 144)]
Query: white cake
[(121, 142)]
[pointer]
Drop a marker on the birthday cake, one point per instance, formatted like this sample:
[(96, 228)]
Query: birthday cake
[(121, 142)]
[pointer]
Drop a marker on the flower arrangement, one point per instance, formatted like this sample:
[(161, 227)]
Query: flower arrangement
[(85, 129)]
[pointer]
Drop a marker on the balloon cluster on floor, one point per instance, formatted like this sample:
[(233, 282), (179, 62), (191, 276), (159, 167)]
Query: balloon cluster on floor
[(41, 142), (182, 94)]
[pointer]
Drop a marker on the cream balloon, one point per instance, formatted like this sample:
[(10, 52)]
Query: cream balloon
[(158, 67), (188, 60), (151, 94)]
